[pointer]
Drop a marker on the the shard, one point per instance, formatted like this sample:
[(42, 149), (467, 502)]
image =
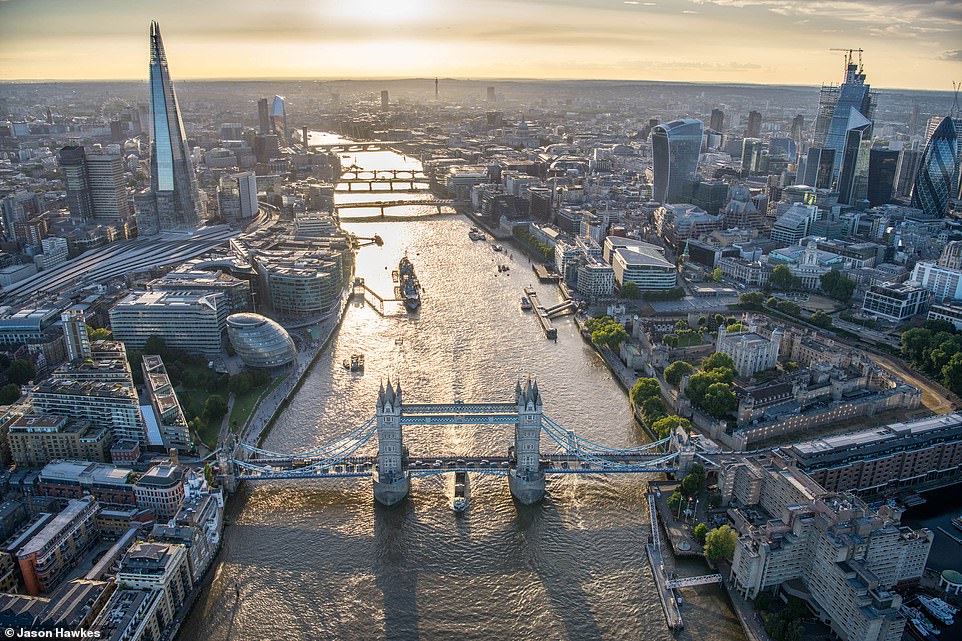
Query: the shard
[(173, 203)]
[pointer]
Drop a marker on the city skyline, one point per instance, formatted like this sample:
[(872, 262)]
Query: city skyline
[(911, 44)]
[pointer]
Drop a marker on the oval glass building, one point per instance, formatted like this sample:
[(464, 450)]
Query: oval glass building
[(935, 182), (259, 341)]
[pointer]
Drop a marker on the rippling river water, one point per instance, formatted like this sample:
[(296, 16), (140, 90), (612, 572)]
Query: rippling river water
[(319, 560)]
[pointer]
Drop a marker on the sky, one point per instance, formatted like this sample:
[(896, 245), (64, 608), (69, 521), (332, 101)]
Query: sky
[(914, 44)]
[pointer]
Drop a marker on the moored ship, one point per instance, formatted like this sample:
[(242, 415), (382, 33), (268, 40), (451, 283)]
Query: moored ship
[(410, 288), (460, 500)]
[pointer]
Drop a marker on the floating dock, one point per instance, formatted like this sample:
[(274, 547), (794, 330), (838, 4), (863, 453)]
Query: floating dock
[(668, 602), (543, 274), (550, 331)]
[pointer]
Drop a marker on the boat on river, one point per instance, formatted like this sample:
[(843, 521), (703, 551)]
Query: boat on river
[(355, 363), (459, 502), (942, 611), (409, 288)]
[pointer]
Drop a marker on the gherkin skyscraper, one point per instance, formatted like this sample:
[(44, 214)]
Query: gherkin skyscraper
[(938, 172), (173, 202)]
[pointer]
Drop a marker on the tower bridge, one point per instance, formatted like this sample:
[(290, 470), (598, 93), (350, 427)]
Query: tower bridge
[(526, 464)]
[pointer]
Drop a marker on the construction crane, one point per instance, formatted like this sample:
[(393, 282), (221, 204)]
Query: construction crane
[(848, 57)]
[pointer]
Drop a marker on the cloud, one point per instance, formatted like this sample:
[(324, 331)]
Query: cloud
[(906, 12), (953, 54)]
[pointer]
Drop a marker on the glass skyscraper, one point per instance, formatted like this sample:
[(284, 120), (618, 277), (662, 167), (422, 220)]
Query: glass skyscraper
[(835, 107), (675, 147), (936, 180), (174, 202), (279, 119)]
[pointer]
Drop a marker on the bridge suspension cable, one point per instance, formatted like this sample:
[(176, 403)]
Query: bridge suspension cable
[(572, 444), (553, 428), (363, 428), (334, 454)]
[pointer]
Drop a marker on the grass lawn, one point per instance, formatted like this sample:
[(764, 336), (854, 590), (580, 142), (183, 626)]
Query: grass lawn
[(689, 341), (244, 405)]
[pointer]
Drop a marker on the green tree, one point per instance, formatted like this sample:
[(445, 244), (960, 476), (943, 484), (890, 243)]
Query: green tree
[(9, 394), (736, 327), (821, 319), (644, 389), (156, 345), (752, 299), (838, 285), (952, 373), (240, 384), (716, 274), (670, 340), (98, 333), (718, 360), (664, 427), (720, 543), (719, 400), (674, 500), (788, 307), (653, 409), (21, 371), (772, 301), (209, 474), (701, 531), (677, 371), (630, 291), (693, 481), (215, 407), (782, 278)]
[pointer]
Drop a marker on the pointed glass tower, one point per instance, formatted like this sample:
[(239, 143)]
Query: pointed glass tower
[(175, 203), (936, 180)]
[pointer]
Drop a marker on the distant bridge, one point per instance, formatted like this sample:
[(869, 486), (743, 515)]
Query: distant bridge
[(525, 464), (385, 204)]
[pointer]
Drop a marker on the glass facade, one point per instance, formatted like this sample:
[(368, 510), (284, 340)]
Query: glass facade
[(938, 170), (835, 105), (259, 341), (675, 147), (279, 119), (172, 180)]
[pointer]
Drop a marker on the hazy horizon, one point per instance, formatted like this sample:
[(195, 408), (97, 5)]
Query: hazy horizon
[(909, 44)]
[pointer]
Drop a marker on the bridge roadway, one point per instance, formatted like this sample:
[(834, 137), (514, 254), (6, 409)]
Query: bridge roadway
[(383, 204)]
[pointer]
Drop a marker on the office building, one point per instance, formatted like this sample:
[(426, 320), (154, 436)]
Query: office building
[(852, 183), (947, 312), (908, 169), (798, 128), (675, 224), (835, 108), (35, 328), (173, 202), (490, 94), (235, 292), (263, 116), (55, 253), (754, 127), (279, 120), (644, 265), (943, 282), (751, 156), (951, 256), (385, 100), (717, 120), (895, 302), (59, 546), (818, 168), (237, 196), (73, 166), (161, 490), (794, 224), (259, 341), (937, 178), (595, 279), (675, 147), (882, 170), (186, 320), (37, 439)]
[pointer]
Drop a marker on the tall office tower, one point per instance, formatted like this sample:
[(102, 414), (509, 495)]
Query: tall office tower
[(835, 106), (938, 170), (782, 149), (882, 168), (853, 174), (717, 121), (751, 156), (279, 120), (73, 164), (263, 117), (75, 334), (914, 120), (798, 128), (754, 128), (436, 90), (908, 169), (490, 94), (385, 100), (675, 147), (818, 168), (174, 202), (108, 186)]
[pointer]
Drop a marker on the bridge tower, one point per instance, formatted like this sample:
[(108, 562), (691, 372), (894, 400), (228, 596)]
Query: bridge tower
[(526, 480), (391, 481)]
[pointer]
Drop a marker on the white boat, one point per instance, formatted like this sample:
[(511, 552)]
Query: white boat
[(938, 608), (499, 248)]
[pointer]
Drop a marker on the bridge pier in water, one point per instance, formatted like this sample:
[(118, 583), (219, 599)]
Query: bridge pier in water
[(526, 480), (391, 480)]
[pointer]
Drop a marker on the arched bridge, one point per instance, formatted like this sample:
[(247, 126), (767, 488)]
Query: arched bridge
[(526, 463)]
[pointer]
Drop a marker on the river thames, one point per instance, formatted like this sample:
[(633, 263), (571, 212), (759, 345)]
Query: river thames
[(319, 560)]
